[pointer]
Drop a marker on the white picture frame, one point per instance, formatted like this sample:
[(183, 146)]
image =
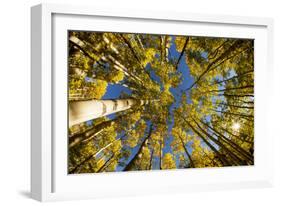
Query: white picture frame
[(49, 179)]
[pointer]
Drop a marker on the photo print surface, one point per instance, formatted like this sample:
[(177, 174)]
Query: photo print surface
[(140, 102)]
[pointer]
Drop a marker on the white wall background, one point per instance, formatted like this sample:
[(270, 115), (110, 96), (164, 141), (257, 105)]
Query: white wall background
[(15, 100)]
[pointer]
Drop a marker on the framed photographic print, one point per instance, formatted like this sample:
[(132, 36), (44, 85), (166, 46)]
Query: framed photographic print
[(137, 102)]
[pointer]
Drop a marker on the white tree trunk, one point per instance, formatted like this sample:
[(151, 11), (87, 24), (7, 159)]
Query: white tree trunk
[(116, 64), (85, 47), (77, 41), (167, 45), (77, 72), (102, 149), (140, 42), (111, 45), (81, 111)]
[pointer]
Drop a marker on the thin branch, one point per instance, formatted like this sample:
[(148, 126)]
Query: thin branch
[(182, 52)]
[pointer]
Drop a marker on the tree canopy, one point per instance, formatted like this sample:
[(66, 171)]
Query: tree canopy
[(147, 102)]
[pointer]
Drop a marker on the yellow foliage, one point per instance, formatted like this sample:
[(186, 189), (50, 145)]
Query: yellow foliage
[(168, 161)]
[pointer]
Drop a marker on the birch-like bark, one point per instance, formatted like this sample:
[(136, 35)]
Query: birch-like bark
[(89, 51), (120, 67), (90, 157), (140, 42), (77, 72), (82, 111), (110, 45), (85, 48), (167, 46), (106, 163)]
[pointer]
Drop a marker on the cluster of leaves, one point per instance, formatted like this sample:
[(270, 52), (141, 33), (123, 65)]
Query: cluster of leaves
[(212, 125)]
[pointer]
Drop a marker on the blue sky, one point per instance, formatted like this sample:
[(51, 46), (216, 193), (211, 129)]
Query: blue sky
[(114, 91), (187, 80)]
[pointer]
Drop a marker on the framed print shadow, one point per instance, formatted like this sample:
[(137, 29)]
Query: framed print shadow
[(127, 103)]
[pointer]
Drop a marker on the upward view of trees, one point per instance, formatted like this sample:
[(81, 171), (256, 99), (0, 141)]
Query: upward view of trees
[(155, 102)]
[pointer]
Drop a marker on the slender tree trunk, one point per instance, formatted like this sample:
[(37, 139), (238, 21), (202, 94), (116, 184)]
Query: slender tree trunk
[(151, 159), (216, 51), (160, 154), (212, 65), (248, 157), (120, 67), (108, 163), (235, 106), (245, 102), (87, 50), (86, 132), (129, 84), (244, 116), (131, 163), (105, 164), (233, 156), (229, 89), (93, 131), (81, 111), (86, 135), (230, 57), (135, 55), (90, 51), (213, 160), (161, 48), (94, 155), (236, 136), (237, 160), (140, 42), (78, 166), (77, 72), (111, 143), (187, 153), (182, 52), (166, 48), (234, 77), (236, 95), (110, 44), (223, 160), (241, 151)]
